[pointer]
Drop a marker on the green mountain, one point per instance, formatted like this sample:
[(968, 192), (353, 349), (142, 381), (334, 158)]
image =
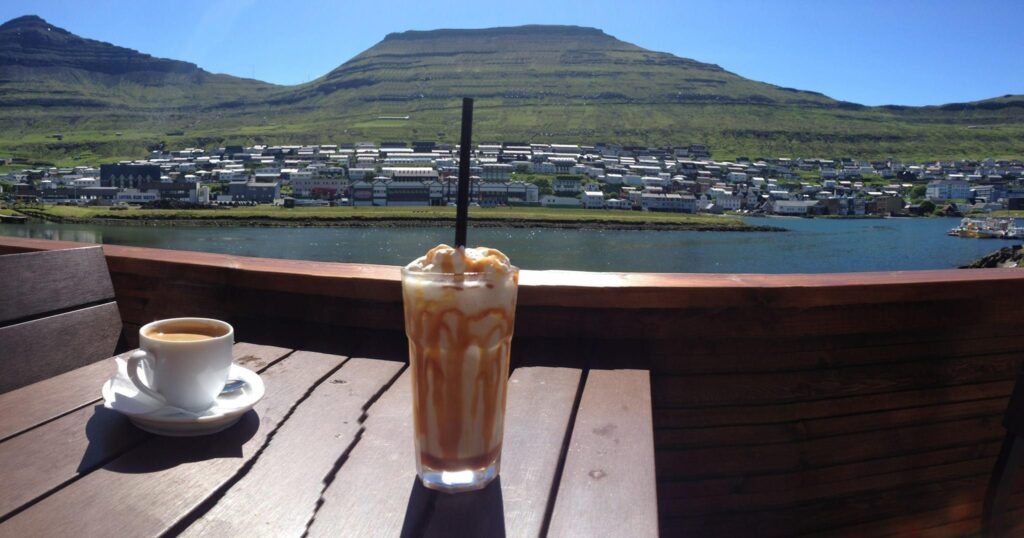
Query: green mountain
[(531, 83)]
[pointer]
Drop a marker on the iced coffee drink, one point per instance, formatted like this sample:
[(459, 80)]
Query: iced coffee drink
[(460, 308)]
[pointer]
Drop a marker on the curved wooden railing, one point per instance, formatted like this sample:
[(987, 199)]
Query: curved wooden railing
[(854, 404)]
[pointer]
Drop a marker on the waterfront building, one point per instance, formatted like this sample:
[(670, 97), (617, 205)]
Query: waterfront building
[(559, 201), (678, 203), (592, 200), (250, 191), (128, 176), (948, 189), (796, 207)]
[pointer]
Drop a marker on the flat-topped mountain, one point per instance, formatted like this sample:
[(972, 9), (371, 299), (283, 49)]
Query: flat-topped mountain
[(534, 83), (561, 63)]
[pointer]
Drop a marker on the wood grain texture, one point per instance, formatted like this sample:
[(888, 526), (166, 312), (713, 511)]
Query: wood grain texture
[(376, 492), (47, 281), (40, 349), (36, 403), (300, 458), (537, 420), (539, 410), (373, 488), (149, 489), (39, 460), (607, 486)]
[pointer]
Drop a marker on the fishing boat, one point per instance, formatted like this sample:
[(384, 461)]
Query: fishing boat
[(988, 228)]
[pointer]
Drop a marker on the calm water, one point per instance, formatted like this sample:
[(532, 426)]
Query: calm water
[(811, 245)]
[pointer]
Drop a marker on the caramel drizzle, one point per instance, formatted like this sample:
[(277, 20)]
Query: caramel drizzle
[(438, 374)]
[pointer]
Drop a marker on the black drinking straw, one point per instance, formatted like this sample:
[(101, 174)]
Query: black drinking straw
[(462, 200)]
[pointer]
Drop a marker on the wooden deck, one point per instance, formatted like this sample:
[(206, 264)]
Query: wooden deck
[(849, 404)]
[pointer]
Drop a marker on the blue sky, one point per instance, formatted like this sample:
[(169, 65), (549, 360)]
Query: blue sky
[(908, 52)]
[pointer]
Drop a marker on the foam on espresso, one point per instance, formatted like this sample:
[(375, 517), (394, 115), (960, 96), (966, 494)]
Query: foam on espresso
[(459, 316), (185, 331)]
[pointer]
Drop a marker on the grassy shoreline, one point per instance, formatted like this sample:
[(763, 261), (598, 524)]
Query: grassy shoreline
[(516, 217)]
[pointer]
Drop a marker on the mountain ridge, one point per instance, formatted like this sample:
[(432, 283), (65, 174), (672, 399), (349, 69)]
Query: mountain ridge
[(533, 82)]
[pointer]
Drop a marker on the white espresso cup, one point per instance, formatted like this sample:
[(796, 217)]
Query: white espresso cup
[(187, 361)]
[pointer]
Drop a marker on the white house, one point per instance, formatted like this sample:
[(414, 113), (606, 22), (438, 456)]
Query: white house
[(615, 203), (559, 201), (678, 203), (592, 200), (946, 189), (793, 207), (729, 202), (566, 185)]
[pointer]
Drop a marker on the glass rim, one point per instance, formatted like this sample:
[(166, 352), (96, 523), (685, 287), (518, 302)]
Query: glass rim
[(513, 270)]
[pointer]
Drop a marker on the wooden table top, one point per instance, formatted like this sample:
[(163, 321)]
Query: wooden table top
[(328, 452)]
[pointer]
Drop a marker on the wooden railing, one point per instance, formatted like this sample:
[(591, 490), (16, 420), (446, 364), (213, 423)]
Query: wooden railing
[(854, 404)]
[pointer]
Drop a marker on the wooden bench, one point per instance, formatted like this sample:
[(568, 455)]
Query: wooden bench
[(57, 313)]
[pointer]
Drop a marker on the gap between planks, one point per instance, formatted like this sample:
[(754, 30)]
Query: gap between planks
[(208, 503), (333, 473), (238, 349), (549, 510)]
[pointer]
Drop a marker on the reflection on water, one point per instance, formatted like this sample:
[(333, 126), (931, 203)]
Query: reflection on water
[(59, 234), (811, 245)]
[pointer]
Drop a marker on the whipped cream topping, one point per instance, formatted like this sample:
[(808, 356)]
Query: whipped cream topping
[(446, 259)]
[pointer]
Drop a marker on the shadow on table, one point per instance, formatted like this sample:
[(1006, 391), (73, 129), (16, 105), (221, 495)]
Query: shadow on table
[(475, 513), (161, 452)]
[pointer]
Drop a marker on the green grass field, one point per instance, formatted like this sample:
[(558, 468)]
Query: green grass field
[(329, 215)]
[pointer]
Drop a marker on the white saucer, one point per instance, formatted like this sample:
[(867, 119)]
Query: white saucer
[(147, 414)]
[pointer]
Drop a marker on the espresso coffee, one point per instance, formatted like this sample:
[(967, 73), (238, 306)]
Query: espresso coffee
[(185, 332), (180, 337)]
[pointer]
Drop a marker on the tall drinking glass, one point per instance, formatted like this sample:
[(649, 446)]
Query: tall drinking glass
[(460, 333)]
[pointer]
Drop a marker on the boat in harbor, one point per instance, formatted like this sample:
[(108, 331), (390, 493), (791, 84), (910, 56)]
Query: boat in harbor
[(988, 228)]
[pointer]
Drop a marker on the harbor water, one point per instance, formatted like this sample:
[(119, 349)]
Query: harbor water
[(809, 245)]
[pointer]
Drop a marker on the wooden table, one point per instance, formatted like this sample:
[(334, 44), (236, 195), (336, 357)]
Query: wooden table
[(327, 452)]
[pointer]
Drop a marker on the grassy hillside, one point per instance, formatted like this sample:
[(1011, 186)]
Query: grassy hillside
[(532, 83)]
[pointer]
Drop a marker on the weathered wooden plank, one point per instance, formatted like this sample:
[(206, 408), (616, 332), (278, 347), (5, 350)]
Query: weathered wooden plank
[(35, 283), (36, 403), (791, 497), (823, 411), (607, 486), (835, 450), (790, 352), (37, 461), (825, 514), (149, 489), (39, 349), (778, 387), (801, 430), (377, 484), (782, 483), (540, 405), (300, 458), (372, 489)]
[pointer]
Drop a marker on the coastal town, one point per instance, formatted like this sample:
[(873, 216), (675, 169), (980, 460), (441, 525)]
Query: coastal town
[(604, 177)]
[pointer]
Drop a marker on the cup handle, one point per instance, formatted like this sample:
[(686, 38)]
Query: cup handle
[(134, 361)]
